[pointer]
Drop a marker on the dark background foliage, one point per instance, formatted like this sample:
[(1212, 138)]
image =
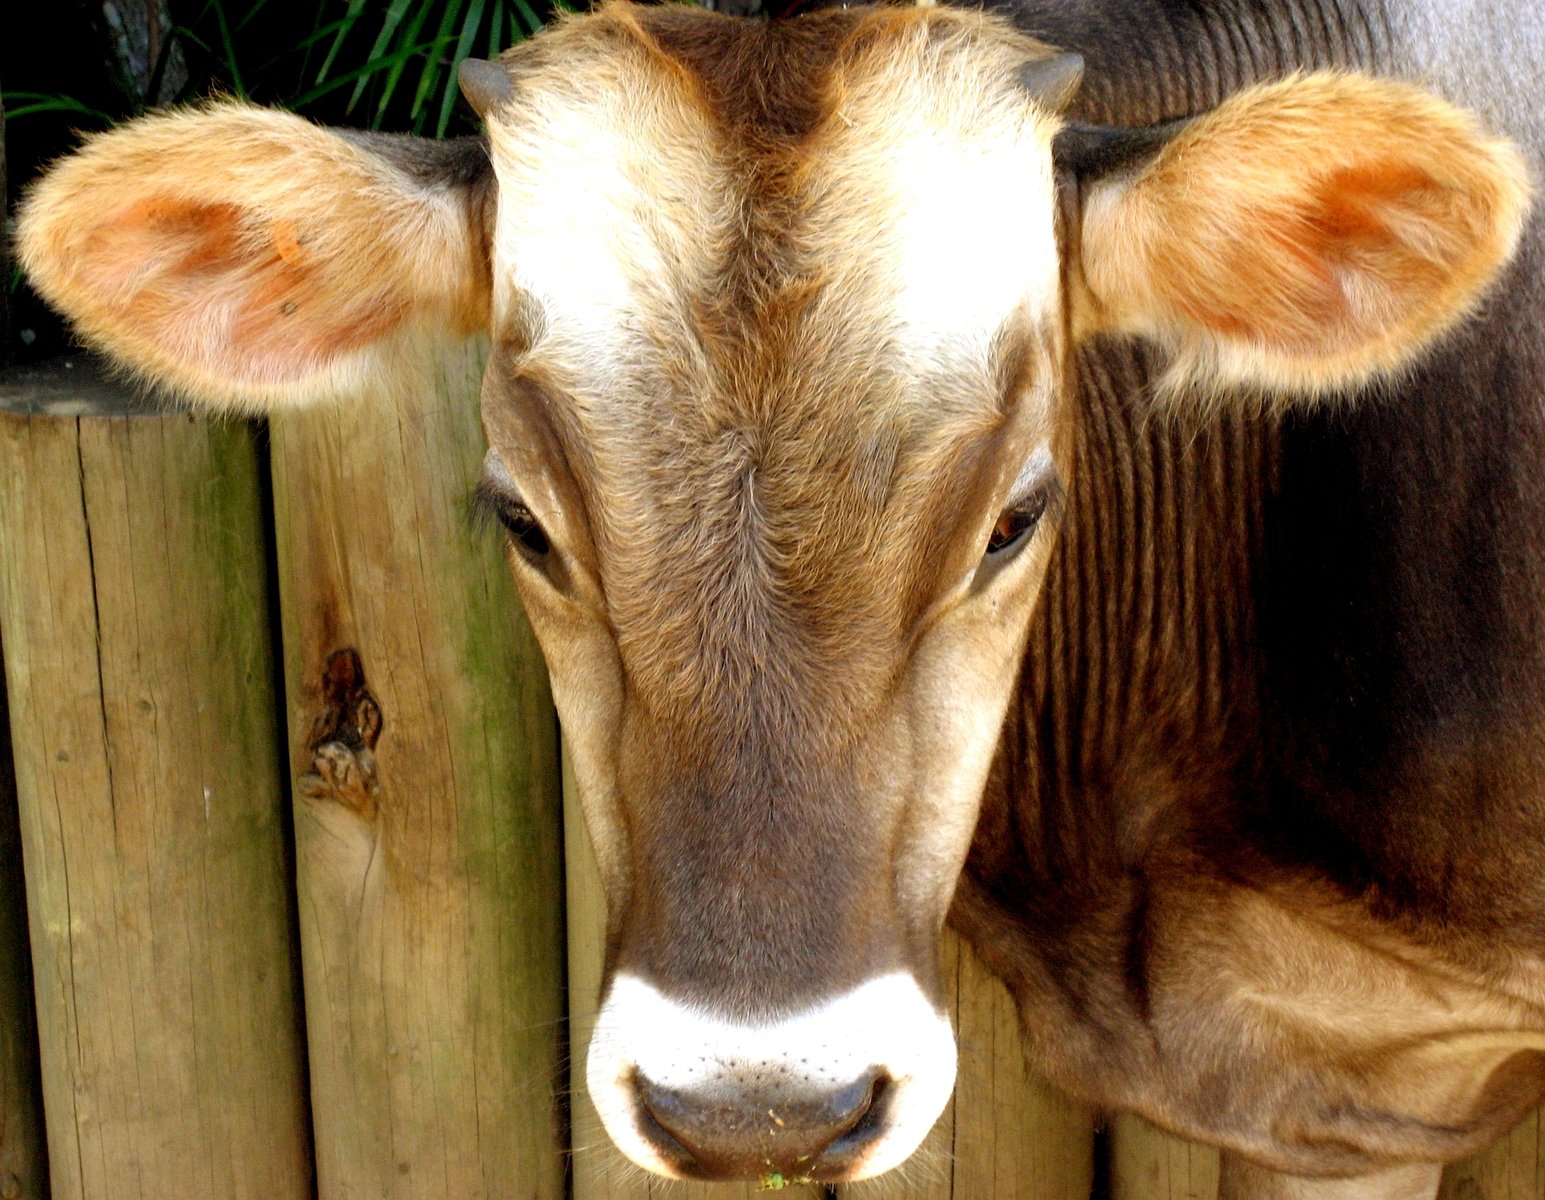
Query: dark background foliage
[(82, 65), (72, 67)]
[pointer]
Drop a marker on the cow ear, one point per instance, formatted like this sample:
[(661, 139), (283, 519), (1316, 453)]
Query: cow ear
[(248, 258), (1302, 237)]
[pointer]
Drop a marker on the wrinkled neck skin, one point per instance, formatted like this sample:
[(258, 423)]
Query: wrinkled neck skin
[(1261, 855), (1152, 60)]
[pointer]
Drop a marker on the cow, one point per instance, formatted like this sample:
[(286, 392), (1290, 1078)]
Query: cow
[(1079, 473)]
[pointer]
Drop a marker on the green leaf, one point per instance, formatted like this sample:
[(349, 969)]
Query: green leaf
[(237, 84), (430, 49), (350, 18), (528, 17), (374, 67), (396, 11), (28, 103), (253, 8), (469, 29), (185, 34), (433, 71), (316, 35), (496, 32)]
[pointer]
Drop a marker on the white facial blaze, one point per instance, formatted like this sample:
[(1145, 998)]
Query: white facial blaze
[(564, 244), (885, 1023), (963, 269), (606, 200), (939, 199), (932, 220)]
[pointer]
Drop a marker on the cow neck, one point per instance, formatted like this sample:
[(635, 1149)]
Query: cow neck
[(1190, 680), (1178, 58), (1139, 695), (1138, 716)]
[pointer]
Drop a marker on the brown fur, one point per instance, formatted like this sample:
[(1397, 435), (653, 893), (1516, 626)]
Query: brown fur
[(761, 661), (767, 393)]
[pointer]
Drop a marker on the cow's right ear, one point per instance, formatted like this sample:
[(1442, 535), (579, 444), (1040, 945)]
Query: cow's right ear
[(250, 258)]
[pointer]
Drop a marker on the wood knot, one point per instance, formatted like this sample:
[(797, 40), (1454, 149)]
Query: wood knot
[(351, 714), (343, 738)]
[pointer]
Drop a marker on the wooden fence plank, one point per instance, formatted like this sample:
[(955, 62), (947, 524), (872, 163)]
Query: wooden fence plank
[(1511, 1169), (1006, 1134), (134, 607), (22, 1155), (1147, 1163), (427, 822), (1015, 1136), (23, 1161), (600, 1170)]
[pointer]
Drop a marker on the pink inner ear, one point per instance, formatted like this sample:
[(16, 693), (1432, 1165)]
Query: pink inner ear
[(156, 237), (1348, 200), (236, 294), (1346, 264)]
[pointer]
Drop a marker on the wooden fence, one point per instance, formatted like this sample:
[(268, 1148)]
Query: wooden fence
[(309, 909)]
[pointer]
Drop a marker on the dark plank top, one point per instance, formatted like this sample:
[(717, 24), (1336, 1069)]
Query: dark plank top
[(76, 385)]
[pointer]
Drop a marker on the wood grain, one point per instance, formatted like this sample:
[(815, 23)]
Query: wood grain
[(138, 660), (430, 861), (1147, 1163), (1511, 1169), (1015, 1136)]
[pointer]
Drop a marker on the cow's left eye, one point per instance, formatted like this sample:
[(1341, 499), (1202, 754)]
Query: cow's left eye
[(1016, 522)]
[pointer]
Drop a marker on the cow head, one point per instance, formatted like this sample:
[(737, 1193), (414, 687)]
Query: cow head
[(779, 416)]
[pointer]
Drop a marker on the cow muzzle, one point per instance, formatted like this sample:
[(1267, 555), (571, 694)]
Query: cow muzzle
[(743, 1129), (843, 1090)]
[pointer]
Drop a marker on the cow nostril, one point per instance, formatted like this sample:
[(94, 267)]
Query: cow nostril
[(738, 1132), (868, 1115), (660, 1113)]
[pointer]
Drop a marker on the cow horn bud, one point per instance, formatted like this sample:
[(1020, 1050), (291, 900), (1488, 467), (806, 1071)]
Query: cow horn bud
[(1053, 82), (486, 85)]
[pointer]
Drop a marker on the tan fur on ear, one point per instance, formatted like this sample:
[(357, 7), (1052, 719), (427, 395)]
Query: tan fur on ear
[(1305, 235), (248, 257)]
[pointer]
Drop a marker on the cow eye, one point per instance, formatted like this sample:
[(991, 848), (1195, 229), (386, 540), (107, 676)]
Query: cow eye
[(1016, 522), (523, 527), (518, 520)]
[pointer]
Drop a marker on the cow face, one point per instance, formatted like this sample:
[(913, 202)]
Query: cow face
[(780, 424), (784, 572)]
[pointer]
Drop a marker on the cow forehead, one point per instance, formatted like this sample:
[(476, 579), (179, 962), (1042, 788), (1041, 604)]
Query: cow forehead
[(885, 215), (780, 317)]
